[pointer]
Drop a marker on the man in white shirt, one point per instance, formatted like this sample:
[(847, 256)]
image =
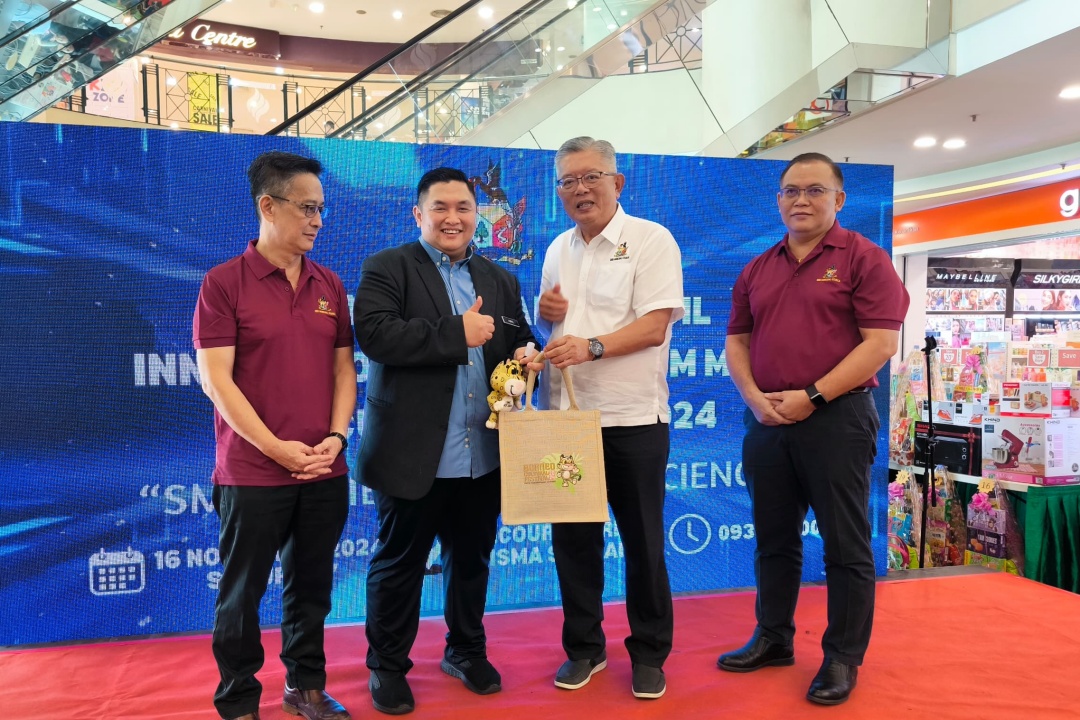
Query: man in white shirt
[(610, 292)]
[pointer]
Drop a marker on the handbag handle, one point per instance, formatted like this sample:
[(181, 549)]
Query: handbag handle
[(531, 382)]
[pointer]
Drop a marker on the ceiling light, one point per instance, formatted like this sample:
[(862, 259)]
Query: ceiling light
[(612, 26), (316, 7), (559, 67), (623, 13), (398, 14), (560, 48), (485, 12), (954, 143), (174, 125), (571, 4), (596, 9), (378, 126), (279, 70), (144, 60), (1070, 93), (925, 142), (695, 29), (170, 81)]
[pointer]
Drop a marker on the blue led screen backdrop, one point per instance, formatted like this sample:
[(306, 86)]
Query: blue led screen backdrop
[(106, 439)]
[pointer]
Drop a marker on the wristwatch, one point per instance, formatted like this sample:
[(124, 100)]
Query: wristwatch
[(816, 397), (596, 348), (339, 436)]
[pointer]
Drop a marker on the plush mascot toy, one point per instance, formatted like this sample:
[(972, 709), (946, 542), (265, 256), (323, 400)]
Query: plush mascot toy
[(508, 385)]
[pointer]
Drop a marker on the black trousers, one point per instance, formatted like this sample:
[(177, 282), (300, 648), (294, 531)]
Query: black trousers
[(304, 522), (822, 462), (635, 461), (462, 513)]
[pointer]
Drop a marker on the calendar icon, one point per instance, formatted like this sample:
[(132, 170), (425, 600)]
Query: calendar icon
[(117, 573)]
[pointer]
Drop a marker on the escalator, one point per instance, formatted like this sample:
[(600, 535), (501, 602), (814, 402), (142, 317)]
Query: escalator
[(468, 82), (50, 49)]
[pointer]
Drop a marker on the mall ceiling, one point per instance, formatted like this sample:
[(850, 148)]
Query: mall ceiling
[(361, 20), (1020, 124)]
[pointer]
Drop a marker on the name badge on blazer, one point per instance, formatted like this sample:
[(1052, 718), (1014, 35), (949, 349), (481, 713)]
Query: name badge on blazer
[(510, 321)]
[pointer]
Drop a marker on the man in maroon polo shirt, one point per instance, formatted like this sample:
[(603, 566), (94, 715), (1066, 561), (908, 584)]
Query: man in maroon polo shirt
[(275, 353), (813, 319)]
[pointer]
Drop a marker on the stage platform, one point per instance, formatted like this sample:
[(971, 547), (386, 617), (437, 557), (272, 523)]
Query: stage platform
[(971, 646)]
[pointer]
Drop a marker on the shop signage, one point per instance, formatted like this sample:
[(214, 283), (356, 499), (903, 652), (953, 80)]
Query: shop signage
[(1048, 274), (1039, 358), (1068, 358), (1039, 206), (958, 277), (1070, 202), (232, 38), (985, 273)]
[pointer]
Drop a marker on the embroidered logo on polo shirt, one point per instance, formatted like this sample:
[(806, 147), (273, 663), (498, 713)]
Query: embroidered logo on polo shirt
[(620, 253), (324, 307), (830, 275)]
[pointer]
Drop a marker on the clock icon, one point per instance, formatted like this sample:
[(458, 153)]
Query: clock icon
[(690, 534)]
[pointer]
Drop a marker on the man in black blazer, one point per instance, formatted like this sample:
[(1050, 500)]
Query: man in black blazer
[(434, 318)]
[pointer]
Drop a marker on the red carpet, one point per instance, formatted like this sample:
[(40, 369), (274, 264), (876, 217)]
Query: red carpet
[(977, 646)]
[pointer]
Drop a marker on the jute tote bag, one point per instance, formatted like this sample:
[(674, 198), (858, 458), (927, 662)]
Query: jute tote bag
[(552, 462)]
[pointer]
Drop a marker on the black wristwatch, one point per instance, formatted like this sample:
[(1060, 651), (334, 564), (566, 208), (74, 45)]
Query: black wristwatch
[(596, 348), (816, 397), (339, 436)]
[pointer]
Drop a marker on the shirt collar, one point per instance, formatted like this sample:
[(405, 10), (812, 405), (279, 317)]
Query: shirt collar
[(263, 268), (437, 255), (611, 232), (836, 237)]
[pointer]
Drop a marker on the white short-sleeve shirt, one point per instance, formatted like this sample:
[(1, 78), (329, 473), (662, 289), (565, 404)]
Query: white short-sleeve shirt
[(630, 269)]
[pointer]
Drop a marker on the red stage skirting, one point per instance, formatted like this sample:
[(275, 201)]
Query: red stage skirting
[(977, 646)]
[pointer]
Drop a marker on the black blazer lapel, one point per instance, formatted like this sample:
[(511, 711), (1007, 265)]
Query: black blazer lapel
[(432, 280)]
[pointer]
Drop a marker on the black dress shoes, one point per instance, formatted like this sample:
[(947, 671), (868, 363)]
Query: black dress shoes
[(756, 654), (313, 705), (833, 683)]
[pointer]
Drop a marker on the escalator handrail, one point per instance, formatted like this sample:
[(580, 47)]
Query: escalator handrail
[(372, 111), (40, 20), (407, 88), (370, 69), (62, 50)]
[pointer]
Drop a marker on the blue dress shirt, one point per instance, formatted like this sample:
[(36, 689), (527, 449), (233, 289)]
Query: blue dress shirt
[(470, 450)]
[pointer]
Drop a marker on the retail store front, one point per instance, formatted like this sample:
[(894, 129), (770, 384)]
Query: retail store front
[(995, 282)]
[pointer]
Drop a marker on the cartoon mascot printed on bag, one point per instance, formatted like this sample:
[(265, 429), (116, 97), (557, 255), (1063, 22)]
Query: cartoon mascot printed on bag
[(569, 472)]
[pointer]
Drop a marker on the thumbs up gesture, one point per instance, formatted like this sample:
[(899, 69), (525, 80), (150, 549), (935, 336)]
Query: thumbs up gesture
[(478, 327), (553, 305)]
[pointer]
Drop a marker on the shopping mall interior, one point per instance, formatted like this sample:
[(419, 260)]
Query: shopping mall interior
[(128, 124)]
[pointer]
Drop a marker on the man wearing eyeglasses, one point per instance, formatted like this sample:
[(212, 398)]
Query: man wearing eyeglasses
[(610, 292), (274, 348), (434, 318), (813, 319)]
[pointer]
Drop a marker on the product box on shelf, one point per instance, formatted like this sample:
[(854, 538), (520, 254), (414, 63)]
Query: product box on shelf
[(986, 532), (1044, 451), (1036, 399), (958, 413)]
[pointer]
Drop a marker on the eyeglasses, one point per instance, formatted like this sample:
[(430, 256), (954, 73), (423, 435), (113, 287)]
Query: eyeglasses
[(589, 180), (814, 192), (309, 209)]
